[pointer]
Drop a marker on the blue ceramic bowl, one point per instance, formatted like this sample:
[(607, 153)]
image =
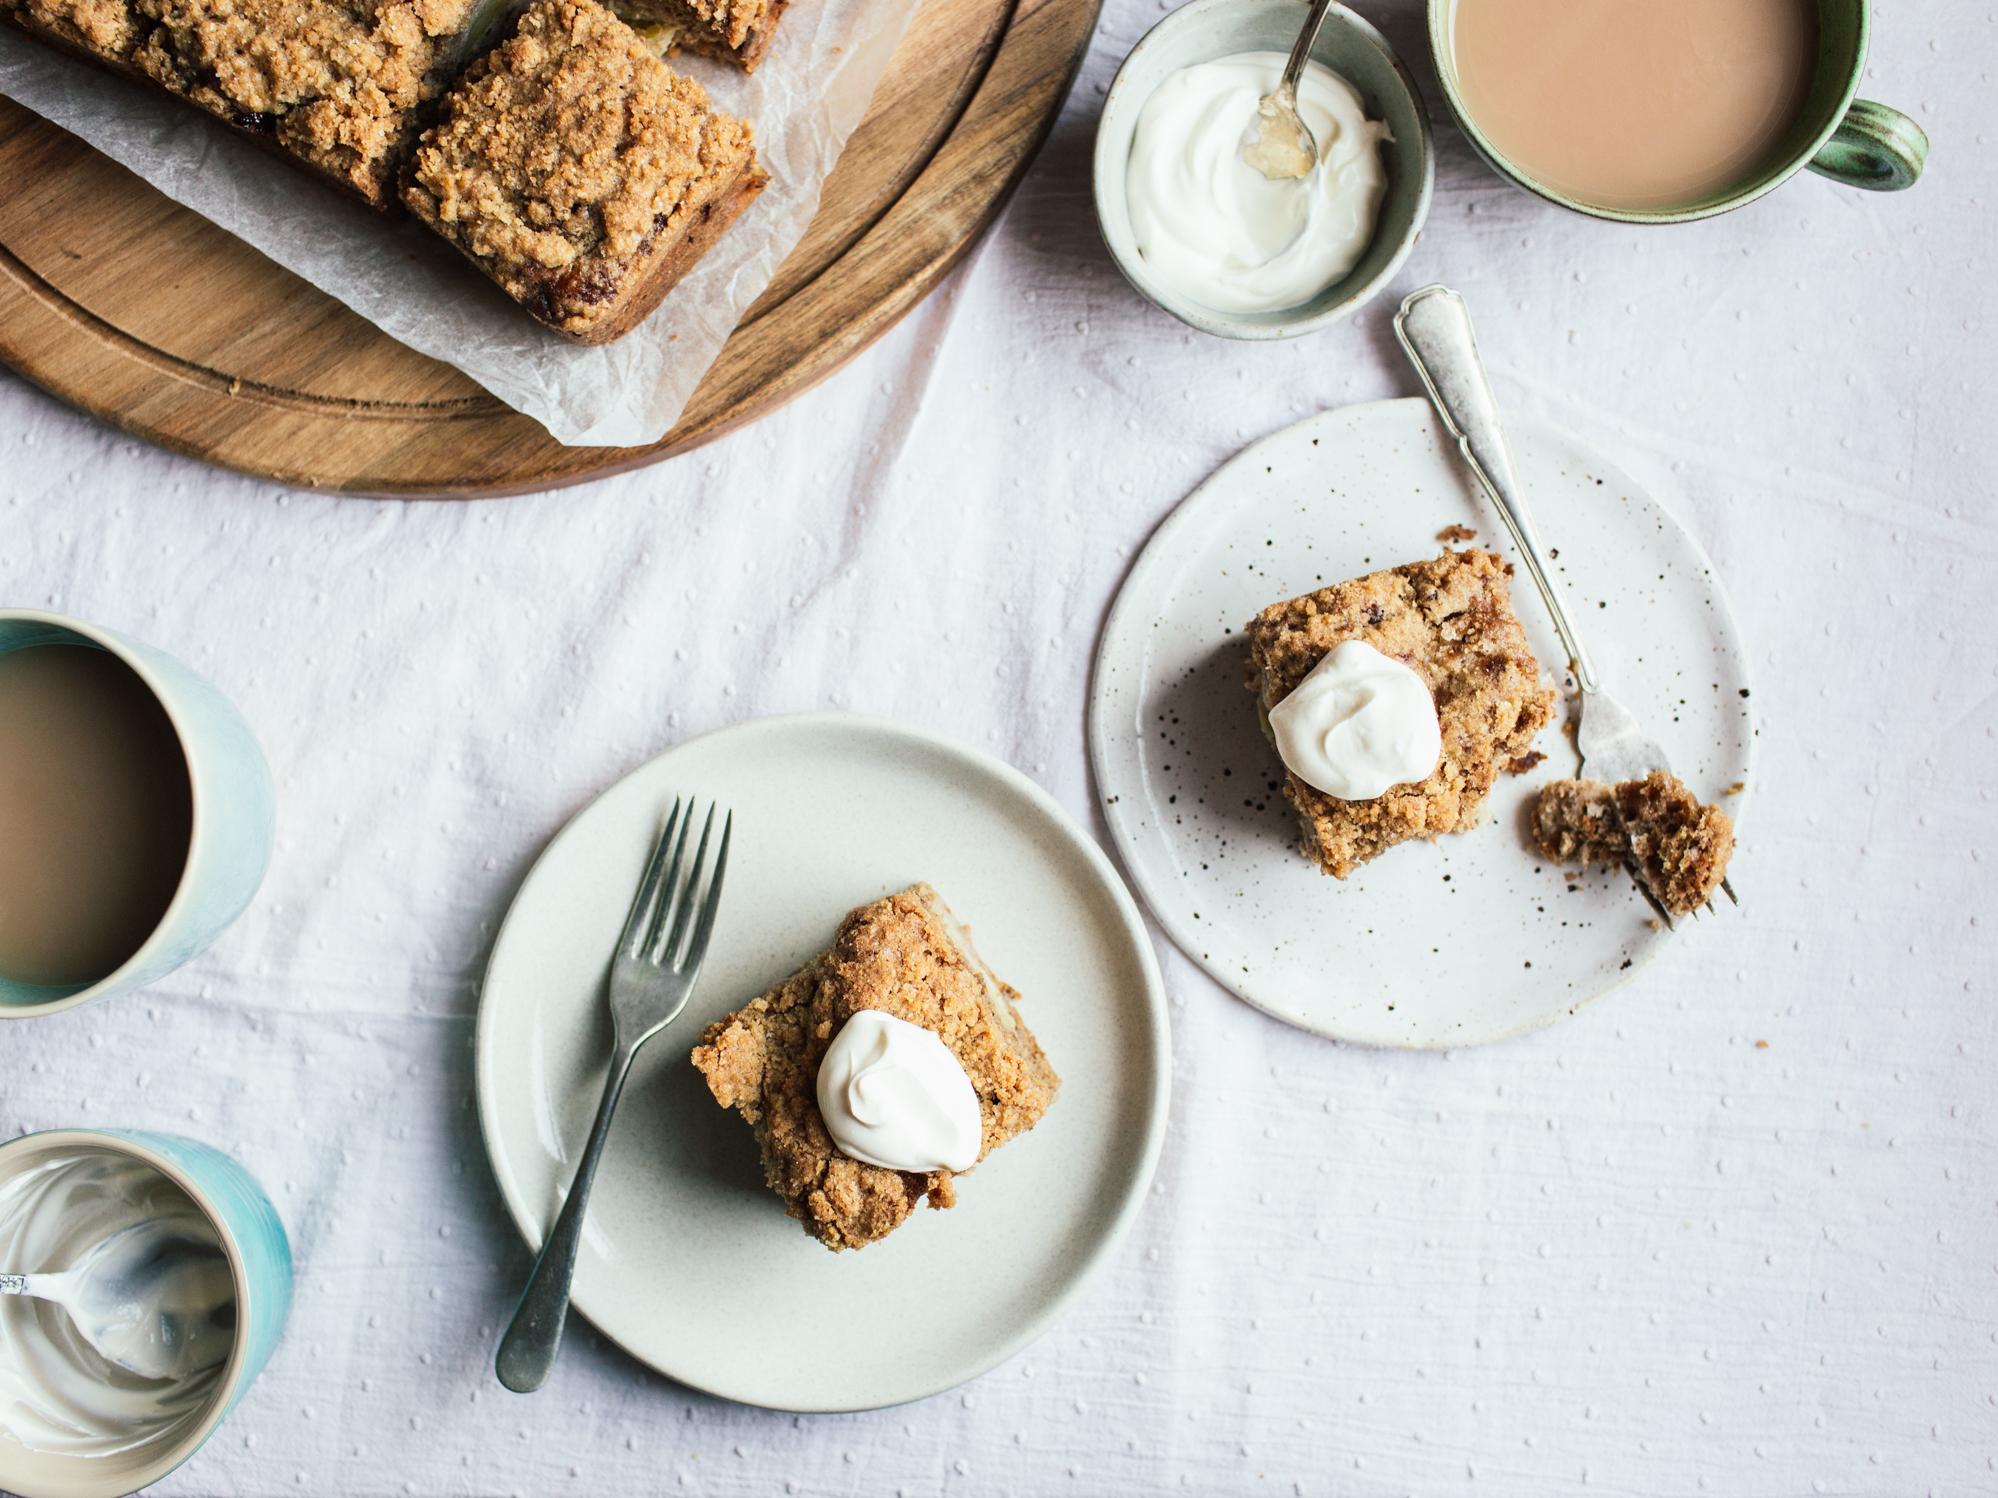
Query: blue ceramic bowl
[(231, 841), (253, 1238)]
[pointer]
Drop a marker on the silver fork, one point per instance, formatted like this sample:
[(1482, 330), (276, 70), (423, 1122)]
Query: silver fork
[(652, 973), (1434, 327)]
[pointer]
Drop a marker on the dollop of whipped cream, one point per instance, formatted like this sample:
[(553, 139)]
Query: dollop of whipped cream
[(1217, 230), (1359, 723), (893, 1095)]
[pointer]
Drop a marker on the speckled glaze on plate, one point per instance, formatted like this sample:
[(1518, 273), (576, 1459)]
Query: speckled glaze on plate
[(688, 1261), (1465, 940)]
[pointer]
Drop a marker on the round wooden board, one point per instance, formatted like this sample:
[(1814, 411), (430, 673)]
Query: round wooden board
[(119, 301)]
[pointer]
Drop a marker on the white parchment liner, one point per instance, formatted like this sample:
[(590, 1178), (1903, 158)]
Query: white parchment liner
[(804, 99)]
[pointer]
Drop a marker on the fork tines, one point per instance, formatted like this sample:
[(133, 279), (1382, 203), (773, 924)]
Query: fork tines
[(1636, 872), (662, 894)]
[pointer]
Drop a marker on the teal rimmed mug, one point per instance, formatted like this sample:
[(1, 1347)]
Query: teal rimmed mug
[(252, 1238), (230, 827), (1848, 139)]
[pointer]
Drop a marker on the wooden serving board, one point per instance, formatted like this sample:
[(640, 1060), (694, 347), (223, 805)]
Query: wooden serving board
[(119, 301)]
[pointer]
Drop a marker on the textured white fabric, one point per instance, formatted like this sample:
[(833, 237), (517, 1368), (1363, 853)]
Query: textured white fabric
[(1637, 1253)]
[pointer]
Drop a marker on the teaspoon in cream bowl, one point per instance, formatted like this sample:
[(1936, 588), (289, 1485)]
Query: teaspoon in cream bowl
[(157, 1299)]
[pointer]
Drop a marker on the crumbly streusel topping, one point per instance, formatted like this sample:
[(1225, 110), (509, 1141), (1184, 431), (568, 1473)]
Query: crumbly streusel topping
[(337, 82), (569, 152), (716, 27), (1451, 621), (905, 956)]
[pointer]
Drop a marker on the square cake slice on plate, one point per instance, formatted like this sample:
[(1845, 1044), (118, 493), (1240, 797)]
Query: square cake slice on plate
[(580, 172), (906, 956), (1450, 620)]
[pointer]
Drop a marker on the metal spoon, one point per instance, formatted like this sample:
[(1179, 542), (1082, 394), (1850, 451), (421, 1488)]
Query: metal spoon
[(150, 1298), (1283, 147)]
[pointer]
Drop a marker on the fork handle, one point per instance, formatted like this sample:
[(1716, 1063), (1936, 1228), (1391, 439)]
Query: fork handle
[(527, 1351), (1434, 327)]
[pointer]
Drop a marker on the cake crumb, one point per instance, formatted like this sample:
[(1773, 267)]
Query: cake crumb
[(1451, 534), (1679, 847)]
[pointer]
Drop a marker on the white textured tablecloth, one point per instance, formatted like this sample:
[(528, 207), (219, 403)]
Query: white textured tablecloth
[(1732, 1230)]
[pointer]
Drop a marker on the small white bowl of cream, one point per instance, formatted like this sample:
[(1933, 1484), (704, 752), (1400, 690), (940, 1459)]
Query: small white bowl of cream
[(1199, 231)]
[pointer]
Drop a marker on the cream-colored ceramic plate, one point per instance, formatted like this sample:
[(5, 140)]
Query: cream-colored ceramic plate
[(1457, 942), (688, 1261)]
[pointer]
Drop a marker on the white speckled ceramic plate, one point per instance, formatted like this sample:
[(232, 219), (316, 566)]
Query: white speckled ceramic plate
[(1464, 940), (688, 1261)]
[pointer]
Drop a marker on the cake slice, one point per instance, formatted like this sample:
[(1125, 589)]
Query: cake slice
[(1450, 620), (1677, 845), (736, 31), (341, 86), (580, 172), (907, 956)]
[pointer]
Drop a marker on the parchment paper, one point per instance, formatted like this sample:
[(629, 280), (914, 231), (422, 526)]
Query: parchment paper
[(804, 100)]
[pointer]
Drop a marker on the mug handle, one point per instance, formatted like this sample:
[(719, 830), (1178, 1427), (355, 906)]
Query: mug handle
[(1874, 147)]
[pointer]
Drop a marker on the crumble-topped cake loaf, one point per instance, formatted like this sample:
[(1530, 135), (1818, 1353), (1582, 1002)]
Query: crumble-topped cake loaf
[(340, 85), (736, 31), (1450, 620), (580, 172), (1680, 847), (904, 955)]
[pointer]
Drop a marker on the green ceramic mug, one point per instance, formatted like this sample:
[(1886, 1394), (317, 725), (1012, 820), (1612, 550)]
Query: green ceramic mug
[(1851, 140)]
